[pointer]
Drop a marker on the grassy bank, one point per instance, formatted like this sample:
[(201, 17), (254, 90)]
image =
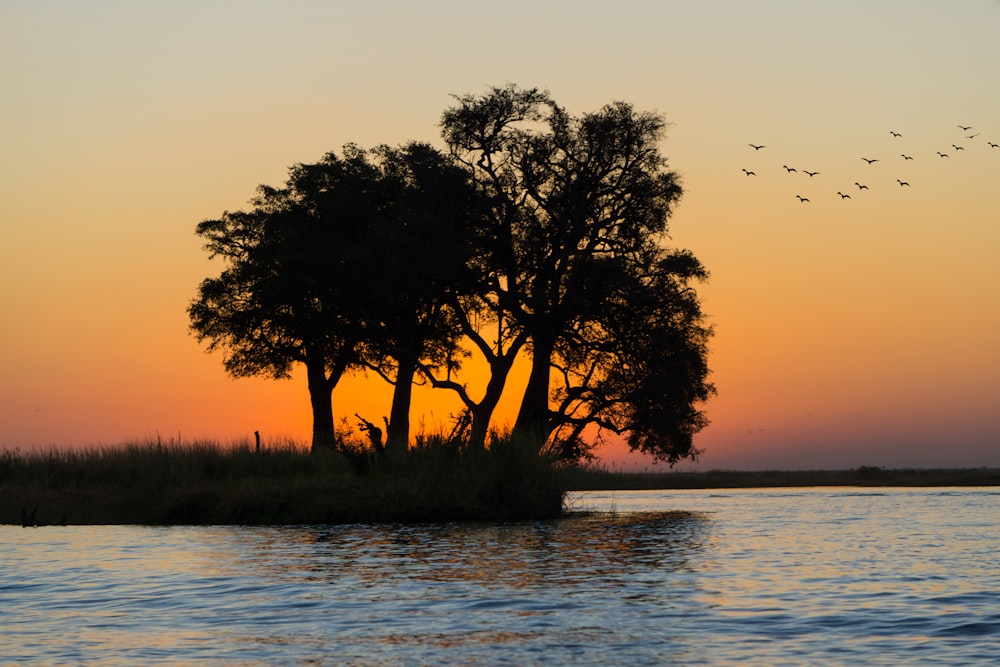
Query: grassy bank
[(204, 483), (597, 479)]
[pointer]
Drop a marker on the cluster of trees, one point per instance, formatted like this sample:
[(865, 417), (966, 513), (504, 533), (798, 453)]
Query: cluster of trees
[(537, 233)]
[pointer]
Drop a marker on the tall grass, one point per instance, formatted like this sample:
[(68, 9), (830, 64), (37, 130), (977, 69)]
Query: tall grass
[(207, 483)]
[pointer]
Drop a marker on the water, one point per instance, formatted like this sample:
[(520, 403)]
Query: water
[(745, 577)]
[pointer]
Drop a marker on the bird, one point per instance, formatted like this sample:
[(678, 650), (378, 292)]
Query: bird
[(993, 145), (749, 173), (811, 173), (861, 187), (965, 128), (895, 134), (801, 198), (869, 160), (755, 147), (787, 168), (972, 136), (942, 154), (842, 195), (957, 148), (906, 157), (902, 183)]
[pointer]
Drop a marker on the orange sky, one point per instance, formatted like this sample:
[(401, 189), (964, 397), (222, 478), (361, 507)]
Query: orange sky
[(848, 332)]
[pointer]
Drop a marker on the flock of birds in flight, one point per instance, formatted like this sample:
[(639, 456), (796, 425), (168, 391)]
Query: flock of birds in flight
[(862, 187)]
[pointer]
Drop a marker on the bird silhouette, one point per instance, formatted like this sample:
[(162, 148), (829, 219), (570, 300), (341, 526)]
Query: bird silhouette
[(895, 134), (965, 128), (973, 136), (861, 187), (906, 157), (755, 147), (993, 145), (942, 154), (957, 148), (749, 173), (842, 195), (787, 168), (869, 160), (902, 183), (811, 173), (802, 199)]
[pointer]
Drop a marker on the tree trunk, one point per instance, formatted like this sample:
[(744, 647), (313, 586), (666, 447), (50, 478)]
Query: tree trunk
[(533, 417), (321, 399), (398, 432), (481, 415), (483, 411)]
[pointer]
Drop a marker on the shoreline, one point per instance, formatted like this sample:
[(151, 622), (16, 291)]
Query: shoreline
[(202, 484), (866, 476)]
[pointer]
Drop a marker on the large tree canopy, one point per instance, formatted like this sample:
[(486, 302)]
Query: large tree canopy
[(574, 238), (347, 266), (540, 233), (578, 272)]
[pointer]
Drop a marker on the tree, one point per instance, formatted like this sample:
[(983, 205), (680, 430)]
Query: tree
[(576, 202), (541, 232), (343, 268), (639, 366), (278, 301), (424, 248)]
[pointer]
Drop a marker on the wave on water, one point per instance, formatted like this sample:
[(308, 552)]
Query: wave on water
[(749, 578)]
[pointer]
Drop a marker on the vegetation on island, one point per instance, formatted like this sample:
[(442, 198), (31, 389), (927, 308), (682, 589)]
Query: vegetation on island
[(163, 483), (537, 234)]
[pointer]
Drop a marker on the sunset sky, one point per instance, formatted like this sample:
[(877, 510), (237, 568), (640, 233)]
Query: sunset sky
[(861, 331)]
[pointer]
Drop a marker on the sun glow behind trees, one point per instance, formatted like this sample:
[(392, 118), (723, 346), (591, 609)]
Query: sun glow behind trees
[(123, 125), (540, 236)]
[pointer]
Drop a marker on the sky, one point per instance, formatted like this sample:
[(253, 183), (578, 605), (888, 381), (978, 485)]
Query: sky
[(848, 332)]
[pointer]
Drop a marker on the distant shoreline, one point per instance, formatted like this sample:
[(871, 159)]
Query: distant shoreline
[(592, 479)]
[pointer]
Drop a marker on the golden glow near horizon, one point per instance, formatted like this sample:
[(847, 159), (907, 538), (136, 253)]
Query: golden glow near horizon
[(849, 332)]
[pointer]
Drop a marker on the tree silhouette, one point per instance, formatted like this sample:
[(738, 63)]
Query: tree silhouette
[(574, 202), (638, 367), (345, 267), (541, 232), (424, 247)]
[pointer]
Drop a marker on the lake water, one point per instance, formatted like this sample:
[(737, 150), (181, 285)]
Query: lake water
[(744, 577)]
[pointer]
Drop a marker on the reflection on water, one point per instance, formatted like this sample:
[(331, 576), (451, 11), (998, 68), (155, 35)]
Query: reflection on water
[(568, 552), (479, 587), (738, 577)]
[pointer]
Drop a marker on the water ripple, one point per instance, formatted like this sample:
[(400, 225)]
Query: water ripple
[(829, 577)]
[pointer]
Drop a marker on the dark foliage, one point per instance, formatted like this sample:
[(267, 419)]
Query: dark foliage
[(577, 271), (347, 266), (541, 233)]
